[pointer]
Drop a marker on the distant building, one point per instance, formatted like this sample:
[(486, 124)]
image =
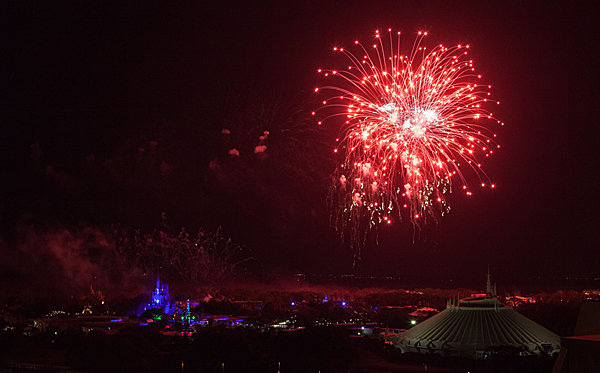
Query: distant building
[(518, 300), (424, 312), (472, 327), (591, 294)]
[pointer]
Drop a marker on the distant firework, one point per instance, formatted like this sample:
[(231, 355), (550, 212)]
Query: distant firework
[(412, 128)]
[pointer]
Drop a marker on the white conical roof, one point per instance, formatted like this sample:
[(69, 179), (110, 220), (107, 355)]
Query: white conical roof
[(474, 325)]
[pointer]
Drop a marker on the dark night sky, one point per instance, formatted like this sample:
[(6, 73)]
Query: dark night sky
[(91, 82)]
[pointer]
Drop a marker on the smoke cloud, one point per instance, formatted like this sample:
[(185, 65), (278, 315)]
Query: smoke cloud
[(65, 262), (260, 149)]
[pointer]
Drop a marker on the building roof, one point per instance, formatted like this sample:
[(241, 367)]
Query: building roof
[(472, 325)]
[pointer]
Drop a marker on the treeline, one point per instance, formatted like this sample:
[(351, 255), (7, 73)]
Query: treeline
[(556, 311), (371, 297)]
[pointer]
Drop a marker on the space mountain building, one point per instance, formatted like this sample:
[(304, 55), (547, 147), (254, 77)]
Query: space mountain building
[(473, 327)]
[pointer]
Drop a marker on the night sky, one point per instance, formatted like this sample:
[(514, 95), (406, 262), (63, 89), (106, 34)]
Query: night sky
[(112, 113)]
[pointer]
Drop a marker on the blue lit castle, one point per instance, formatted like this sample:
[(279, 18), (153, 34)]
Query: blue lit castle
[(160, 298)]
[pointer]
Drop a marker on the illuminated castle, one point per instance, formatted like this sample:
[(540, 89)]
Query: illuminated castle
[(160, 298), (472, 327)]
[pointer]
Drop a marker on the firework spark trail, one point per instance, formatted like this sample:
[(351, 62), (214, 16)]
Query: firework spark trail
[(412, 126)]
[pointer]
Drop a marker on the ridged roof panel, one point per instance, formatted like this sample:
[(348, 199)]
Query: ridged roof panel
[(480, 325)]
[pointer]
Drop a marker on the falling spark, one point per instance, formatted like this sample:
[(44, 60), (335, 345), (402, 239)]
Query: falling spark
[(413, 125)]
